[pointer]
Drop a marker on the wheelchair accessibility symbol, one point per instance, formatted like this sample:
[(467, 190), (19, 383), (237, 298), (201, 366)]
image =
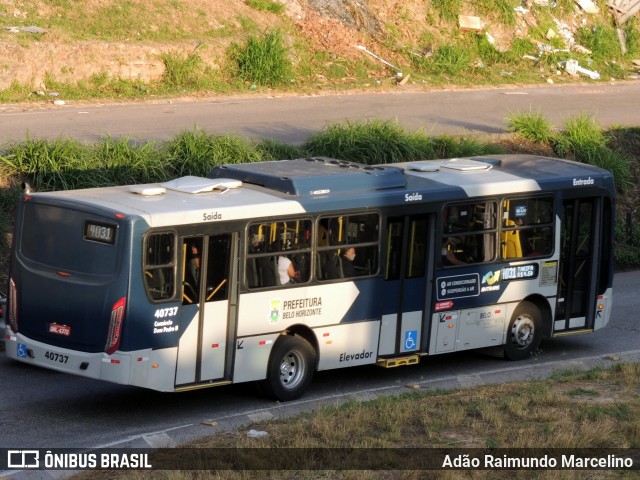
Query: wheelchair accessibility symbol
[(410, 338), (22, 350)]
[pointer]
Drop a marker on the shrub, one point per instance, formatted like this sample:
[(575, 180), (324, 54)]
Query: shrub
[(182, 71), (372, 143), (261, 60), (195, 153), (532, 125)]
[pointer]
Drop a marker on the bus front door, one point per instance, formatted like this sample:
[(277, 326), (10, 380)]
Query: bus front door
[(208, 308), (406, 270), (579, 237)]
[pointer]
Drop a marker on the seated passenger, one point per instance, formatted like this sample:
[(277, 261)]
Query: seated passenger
[(348, 270), (448, 255), (286, 271)]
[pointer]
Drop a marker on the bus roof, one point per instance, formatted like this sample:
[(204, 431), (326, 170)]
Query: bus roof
[(266, 189)]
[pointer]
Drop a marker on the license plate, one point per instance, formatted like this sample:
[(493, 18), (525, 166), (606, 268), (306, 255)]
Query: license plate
[(60, 329)]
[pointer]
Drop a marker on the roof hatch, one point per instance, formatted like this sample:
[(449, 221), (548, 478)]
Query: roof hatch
[(313, 176), (188, 184), (458, 164)]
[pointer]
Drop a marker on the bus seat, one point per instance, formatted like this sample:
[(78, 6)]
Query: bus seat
[(511, 247), (333, 266), (268, 269), (319, 267), (252, 273), (156, 283)]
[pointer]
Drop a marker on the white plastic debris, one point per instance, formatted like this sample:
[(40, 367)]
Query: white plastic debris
[(573, 67), (256, 434), (588, 6), (364, 49), (30, 29)]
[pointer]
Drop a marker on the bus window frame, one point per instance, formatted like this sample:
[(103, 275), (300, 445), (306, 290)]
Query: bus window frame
[(551, 225), (343, 246), (173, 264), (445, 236), (267, 253)]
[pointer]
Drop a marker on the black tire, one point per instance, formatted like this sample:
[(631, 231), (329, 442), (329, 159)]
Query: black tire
[(524, 333), (290, 369)]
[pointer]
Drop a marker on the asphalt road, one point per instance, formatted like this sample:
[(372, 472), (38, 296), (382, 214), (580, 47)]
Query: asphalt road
[(292, 119), (45, 409)]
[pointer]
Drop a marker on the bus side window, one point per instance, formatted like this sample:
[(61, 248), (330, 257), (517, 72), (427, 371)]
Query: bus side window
[(349, 248), (159, 261), (278, 253), (527, 227), (469, 233)]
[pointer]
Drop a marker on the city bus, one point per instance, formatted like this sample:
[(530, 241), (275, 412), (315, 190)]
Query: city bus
[(271, 271)]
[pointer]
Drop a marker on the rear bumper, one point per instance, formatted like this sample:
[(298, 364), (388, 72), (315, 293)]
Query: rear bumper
[(116, 368)]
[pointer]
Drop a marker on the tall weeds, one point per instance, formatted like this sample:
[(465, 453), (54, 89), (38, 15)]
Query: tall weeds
[(372, 143), (261, 60), (196, 152)]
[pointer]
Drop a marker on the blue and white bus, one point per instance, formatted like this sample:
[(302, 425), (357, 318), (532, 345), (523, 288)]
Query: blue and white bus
[(250, 274)]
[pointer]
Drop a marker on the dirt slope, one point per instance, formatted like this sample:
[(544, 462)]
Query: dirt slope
[(125, 39)]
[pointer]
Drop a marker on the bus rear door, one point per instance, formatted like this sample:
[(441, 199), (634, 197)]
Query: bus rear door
[(209, 307), (580, 235), (406, 293)]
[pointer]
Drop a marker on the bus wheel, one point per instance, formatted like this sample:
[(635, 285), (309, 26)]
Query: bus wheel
[(290, 368), (525, 332)]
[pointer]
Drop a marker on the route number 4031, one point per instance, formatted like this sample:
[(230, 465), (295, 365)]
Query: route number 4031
[(166, 312)]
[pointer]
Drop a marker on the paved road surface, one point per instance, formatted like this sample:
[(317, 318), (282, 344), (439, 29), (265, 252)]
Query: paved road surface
[(292, 119)]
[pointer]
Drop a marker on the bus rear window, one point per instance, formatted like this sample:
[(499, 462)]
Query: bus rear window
[(57, 238)]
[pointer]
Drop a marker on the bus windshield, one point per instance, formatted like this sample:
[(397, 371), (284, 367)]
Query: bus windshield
[(68, 240)]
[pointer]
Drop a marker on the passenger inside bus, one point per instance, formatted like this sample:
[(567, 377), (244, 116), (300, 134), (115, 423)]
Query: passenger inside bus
[(286, 270), (449, 249), (194, 264), (525, 238), (346, 259), (191, 280), (456, 219)]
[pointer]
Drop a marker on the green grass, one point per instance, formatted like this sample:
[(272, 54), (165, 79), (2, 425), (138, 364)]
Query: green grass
[(585, 140), (581, 139), (602, 40), (502, 10), (448, 9), (533, 126), (262, 60), (266, 6), (239, 53), (183, 71), (65, 164), (589, 410), (196, 152), (374, 142), (450, 59)]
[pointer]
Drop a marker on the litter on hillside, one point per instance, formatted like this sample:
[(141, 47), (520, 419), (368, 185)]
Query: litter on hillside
[(31, 29), (572, 67), (588, 6), (364, 49), (467, 22), (623, 10)]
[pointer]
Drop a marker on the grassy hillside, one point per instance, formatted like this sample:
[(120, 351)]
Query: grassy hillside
[(127, 49)]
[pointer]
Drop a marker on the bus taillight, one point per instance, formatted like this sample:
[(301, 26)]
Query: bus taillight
[(13, 306), (115, 326)]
